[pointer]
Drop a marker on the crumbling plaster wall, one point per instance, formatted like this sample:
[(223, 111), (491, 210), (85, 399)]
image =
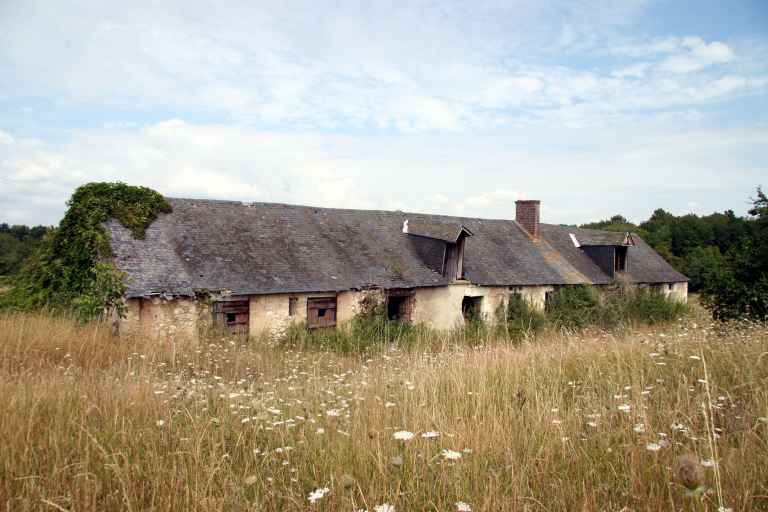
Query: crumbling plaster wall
[(440, 307), (162, 318), (676, 291), (269, 313)]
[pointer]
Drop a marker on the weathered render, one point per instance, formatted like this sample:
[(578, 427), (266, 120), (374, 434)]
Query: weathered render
[(258, 267)]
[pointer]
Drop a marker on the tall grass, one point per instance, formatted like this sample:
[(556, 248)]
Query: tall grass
[(599, 421)]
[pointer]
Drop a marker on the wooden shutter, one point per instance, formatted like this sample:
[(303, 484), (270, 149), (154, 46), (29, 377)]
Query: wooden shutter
[(321, 312)]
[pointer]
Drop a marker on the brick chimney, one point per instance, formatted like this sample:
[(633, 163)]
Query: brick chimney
[(527, 215)]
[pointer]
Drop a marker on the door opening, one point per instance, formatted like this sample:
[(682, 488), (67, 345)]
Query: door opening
[(471, 308)]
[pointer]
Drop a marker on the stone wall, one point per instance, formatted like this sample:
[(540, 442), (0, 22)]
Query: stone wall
[(676, 291), (269, 313), (535, 295), (437, 307), (162, 318), (440, 307)]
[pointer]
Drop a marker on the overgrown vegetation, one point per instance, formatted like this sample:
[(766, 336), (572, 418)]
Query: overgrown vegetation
[(520, 320), (570, 308), (588, 421), (71, 270), (575, 307)]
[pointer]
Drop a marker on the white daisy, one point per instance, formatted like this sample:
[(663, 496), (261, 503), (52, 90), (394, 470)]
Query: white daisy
[(450, 454), (403, 435), (653, 447), (318, 494)]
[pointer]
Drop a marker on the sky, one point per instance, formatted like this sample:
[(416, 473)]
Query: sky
[(595, 107)]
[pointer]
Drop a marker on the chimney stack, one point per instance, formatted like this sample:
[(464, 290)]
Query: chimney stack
[(527, 215)]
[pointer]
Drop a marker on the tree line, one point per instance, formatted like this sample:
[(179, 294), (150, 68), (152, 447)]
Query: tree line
[(17, 243), (725, 256)]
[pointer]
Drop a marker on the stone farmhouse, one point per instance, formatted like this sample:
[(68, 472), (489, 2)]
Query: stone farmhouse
[(257, 267)]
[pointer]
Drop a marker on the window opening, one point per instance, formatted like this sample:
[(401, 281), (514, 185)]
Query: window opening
[(400, 304), (471, 308), (292, 306)]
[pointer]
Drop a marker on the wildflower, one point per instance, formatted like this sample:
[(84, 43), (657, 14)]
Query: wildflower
[(450, 454), (463, 507), (403, 435), (653, 447), (430, 435), (625, 408), (320, 430), (250, 480), (708, 463), (318, 494), (639, 428), (592, 423), (333, 413), (385, 507)]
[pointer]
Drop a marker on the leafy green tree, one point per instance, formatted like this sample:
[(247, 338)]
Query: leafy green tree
[(72, 269), (705, 265), (740, 288)]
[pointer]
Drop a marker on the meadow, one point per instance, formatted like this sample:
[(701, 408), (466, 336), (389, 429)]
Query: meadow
[(666, 417)]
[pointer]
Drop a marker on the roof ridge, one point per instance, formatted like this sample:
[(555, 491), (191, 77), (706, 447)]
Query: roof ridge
[(453, 218)]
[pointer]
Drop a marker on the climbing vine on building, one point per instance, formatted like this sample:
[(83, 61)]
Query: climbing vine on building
[(72, 268)]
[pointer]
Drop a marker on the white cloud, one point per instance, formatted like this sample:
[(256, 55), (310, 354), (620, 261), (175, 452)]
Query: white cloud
[(356, 66), (459, 175), (5, 138)]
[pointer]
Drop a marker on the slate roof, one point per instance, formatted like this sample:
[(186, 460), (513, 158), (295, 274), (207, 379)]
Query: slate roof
[(445, 231), (261, 248), (589, 237)]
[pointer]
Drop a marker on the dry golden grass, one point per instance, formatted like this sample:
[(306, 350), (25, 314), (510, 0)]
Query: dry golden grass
[(598, 421)]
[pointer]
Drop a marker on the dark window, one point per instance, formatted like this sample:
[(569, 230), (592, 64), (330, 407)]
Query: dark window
[(231, 318), (400, 304), (292, 306), (321, 312), (670, 286)]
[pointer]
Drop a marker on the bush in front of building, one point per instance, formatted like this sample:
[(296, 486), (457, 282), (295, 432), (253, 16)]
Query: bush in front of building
[(573, 307), (576, 307), (652, 307), (520, 320)]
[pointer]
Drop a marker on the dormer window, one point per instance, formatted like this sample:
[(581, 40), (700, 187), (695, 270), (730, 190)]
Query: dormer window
[(449, 237), (608, 250)]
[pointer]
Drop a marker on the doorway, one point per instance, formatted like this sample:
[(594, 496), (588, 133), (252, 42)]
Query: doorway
[(471, 308)]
